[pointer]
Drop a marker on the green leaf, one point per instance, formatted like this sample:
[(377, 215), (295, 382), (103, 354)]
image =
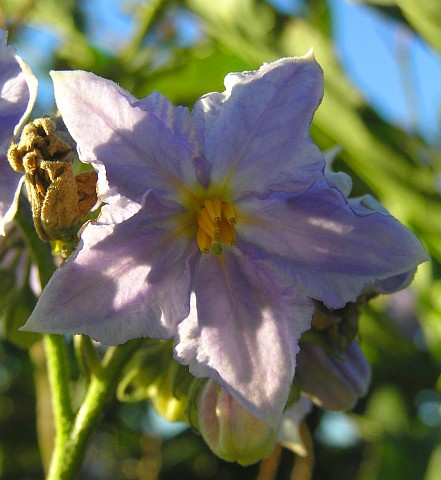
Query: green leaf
[(199, 73), (242, 26), (425, 17)]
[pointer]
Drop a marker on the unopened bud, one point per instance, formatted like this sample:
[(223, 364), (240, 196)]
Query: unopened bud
[(231, 432)]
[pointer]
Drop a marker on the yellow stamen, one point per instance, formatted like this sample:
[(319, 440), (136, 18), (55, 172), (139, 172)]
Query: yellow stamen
[(228, 233), (204, 241), (205, 222), (229, 212), (214, 209), (216, 222)]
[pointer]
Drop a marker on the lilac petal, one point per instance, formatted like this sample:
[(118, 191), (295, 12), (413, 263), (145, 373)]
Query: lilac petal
[(331, 382), (289, 430), (18, 90), (176, 118), (331, 252), (257, 131), (363, 206), (126, 281), (10, 186), (243, 332), (133, 149)]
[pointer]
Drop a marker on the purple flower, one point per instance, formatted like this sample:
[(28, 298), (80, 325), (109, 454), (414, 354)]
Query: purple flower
[(18, 90), (219, 229)]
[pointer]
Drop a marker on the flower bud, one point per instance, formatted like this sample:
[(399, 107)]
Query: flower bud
[(231, 432), (334, 383)]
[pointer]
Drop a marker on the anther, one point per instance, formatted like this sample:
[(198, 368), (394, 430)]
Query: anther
[(229, 212), (203, 241), (205, 222), (228, 233), (214, 209)]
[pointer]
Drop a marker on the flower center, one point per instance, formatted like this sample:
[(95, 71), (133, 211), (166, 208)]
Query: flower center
[(216, 222)]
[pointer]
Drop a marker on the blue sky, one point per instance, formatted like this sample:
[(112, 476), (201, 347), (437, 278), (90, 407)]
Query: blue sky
[(394, 69)]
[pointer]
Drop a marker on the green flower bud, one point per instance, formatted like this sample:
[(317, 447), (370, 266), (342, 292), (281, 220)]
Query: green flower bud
[(153, 374), (231, 432)]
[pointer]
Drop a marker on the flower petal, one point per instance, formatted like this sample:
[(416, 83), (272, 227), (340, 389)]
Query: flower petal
[(331, 382), (10, 186), (18, 90), (177, 119), (126, 281), (289, 430), (133, 149), (331, 252), (244, 333), (257, 131)]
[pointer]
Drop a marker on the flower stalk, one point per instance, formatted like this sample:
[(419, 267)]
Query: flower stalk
[(73, 437), (57, 368)]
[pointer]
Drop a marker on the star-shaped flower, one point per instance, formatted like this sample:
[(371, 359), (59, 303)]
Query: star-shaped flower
[(18, 90), (219, 228)]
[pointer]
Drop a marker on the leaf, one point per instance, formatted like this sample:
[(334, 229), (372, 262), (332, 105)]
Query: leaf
[(198, 74), (243, 26), (425, 17)]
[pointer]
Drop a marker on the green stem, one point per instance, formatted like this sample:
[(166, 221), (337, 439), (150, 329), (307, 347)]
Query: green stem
[(58, 373), (68, 455)]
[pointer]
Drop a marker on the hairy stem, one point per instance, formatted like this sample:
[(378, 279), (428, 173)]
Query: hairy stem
[(68, 455), (57, 367)]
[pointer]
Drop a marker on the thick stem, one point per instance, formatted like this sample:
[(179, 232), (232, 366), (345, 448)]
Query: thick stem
[(68, 456), (58, 373), (45, 421)]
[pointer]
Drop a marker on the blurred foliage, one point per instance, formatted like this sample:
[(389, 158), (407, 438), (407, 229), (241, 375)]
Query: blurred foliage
[(398, 424)]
